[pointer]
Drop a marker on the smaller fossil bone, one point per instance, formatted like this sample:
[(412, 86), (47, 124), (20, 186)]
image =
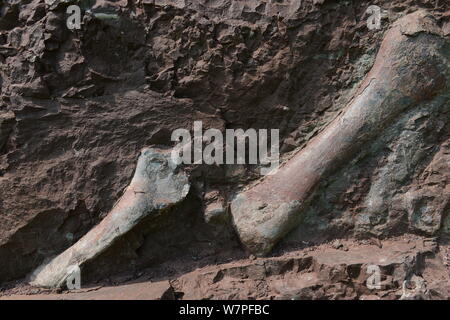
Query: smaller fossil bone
[(157, 185), (411, 67)]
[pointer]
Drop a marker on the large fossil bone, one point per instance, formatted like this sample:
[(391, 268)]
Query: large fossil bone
[(156, 185), (411, 66)]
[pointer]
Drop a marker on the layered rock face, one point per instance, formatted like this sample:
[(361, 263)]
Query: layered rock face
[(78, 106)]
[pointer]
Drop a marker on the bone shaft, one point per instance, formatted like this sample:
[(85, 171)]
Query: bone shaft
[(404, 74)]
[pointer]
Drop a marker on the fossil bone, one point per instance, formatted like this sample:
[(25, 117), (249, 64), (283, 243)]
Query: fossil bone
[(411, 66), (156, 185)]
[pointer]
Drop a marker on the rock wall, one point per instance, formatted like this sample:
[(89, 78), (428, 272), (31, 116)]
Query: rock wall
[(77, 107)]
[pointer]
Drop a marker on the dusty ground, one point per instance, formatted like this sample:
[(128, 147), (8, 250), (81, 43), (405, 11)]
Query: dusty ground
[(337, 270)]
